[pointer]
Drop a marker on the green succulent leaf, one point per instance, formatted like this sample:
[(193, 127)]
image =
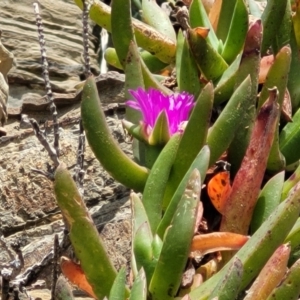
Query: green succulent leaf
[(296, 23), (272, 17), (138, 211), (143, 253), (135, 131), (225, 18), (147, 37), (138, 74), (88, 246), (295, 255), (290, 183), (118, 289), (210, 62), (142, 248), (228, 287), (167, 275), (199, 18), (153, 63), (201, 164), (112, 59), (151, 154), (276, 161), (249, 65), (122, 31), (160, 134), (187, 73), (151, 81), (157, 181), (146, 154), (153, 15), (225, 86), (193, 139), (283, 35), (264, 241), (236, 38), (139, 288), (223, 131), (277, 76), (294, 78), (268, 199), (133, 80), (289, 139), (293, 239), (105, 148), (133, 265), (156, 246)]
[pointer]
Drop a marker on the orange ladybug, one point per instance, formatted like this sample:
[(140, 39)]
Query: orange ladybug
[(219, 187)]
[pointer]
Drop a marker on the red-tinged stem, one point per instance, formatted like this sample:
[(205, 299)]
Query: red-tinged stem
[(247, 182)]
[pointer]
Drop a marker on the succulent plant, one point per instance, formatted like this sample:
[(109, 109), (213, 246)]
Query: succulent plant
[(240, 64)]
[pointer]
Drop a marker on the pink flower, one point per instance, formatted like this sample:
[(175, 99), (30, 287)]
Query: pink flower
[(151, 103)]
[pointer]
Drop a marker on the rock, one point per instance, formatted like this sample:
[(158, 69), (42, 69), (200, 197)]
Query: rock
[(40, 294), (6, 60), (63, 36)]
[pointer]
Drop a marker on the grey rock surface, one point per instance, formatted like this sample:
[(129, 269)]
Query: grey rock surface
[(63, 36), (6, 61)]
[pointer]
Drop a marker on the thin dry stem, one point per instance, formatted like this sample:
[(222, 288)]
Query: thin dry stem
[(85, 37), (79, 172), (55, 265), (49, 93), (42, 138)]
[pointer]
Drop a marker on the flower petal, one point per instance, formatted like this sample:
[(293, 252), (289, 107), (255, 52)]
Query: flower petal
[(151, 103)]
